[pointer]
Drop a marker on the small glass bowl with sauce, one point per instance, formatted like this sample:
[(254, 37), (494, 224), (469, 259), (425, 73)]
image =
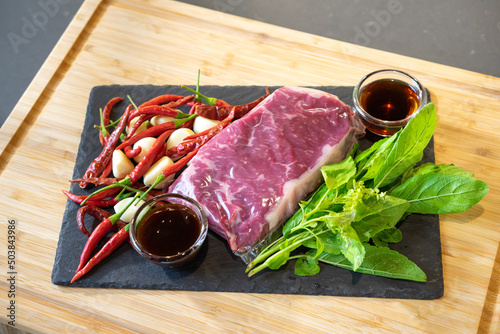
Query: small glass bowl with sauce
[(386, 100), (169, 230)]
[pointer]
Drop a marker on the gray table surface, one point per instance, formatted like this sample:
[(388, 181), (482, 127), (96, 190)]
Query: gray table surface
[(459, 33)]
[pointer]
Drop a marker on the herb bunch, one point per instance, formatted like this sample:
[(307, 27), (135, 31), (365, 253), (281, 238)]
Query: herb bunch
[(353, 216)]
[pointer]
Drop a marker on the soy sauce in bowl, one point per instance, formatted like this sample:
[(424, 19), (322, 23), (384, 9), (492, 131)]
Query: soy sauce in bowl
[(386, 100), (389, 100), (168, 230)]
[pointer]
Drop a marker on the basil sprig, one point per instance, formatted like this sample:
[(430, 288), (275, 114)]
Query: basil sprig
[(352, 217)]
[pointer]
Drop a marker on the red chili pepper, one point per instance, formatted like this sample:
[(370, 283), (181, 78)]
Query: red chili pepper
[(180, 102), (171, 169), (198, 140), (154, 111), (155, 131), (137, 124), (101, 196), (107, 109), (116, 241), (80, 216), (220, 112), (200, 134), (160, 154), (151, 132), (98, 181), (139, 170), (107, 170), (102, 203), (99, 163), (189, 124), (105, 116), (95, 212), (162, 99), (179, 164), (98, 233), (146, 162), (132, 153)]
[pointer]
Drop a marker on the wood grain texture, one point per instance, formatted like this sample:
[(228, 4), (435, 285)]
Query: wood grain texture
[(165, 42)]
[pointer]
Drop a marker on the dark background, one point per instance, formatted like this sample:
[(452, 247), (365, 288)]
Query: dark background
[(459, 33)]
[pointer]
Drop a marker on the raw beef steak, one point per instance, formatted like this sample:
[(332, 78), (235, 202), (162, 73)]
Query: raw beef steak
[(251, 176)]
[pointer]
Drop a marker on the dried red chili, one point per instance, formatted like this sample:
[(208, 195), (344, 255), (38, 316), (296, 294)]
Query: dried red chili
[(97, 200), (97, 213), (162, 99), (99, 163), (99, 181), (197, 141), (220, 112), (155, 131), (156, 111), (106, 113), (139, 170)]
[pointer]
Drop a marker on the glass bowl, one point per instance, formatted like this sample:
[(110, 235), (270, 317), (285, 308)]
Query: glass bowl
[(386, 100), (169, 230)]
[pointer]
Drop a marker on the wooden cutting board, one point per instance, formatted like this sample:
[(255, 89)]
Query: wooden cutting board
[(165, 42)]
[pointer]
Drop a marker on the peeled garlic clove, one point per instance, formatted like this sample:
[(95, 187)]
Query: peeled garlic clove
[(201, 124), (145, 144), (141, 128), (122, 166), (129, 213), (160, 119), (155, 170), (178, 136)]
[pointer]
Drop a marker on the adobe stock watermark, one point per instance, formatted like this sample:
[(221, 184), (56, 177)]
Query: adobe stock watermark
[(33, 23), (11, 271), (373, 28), (226, 6)]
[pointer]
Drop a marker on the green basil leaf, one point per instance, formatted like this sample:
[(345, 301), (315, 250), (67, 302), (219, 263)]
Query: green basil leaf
[(322, 193), (433, 168), (363, 157), (379, 243), (437, 193), (380, 261), (384, 237), (278, 260), (390, 235), (330, 243), (338, 174), (387, 209), (368, 167), (334, 220), (409, 146), (351, 246), (377, 213), (307, 266)]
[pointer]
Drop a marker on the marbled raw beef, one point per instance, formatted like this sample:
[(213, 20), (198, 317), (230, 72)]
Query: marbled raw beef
[(251, 176)]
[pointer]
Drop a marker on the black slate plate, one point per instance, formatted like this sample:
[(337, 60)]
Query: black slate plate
[(216, 268)]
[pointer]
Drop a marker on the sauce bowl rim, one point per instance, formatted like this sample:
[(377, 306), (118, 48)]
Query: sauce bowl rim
[(380, 122), (166, 259)]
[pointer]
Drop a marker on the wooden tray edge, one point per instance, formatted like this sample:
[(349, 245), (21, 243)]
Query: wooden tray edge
[(490, 316)]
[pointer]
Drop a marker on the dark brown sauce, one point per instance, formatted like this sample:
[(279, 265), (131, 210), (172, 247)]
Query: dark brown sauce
[(389, 99), (168, 230)]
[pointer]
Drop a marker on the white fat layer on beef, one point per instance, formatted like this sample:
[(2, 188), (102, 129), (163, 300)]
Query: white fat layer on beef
[(295, 190)]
